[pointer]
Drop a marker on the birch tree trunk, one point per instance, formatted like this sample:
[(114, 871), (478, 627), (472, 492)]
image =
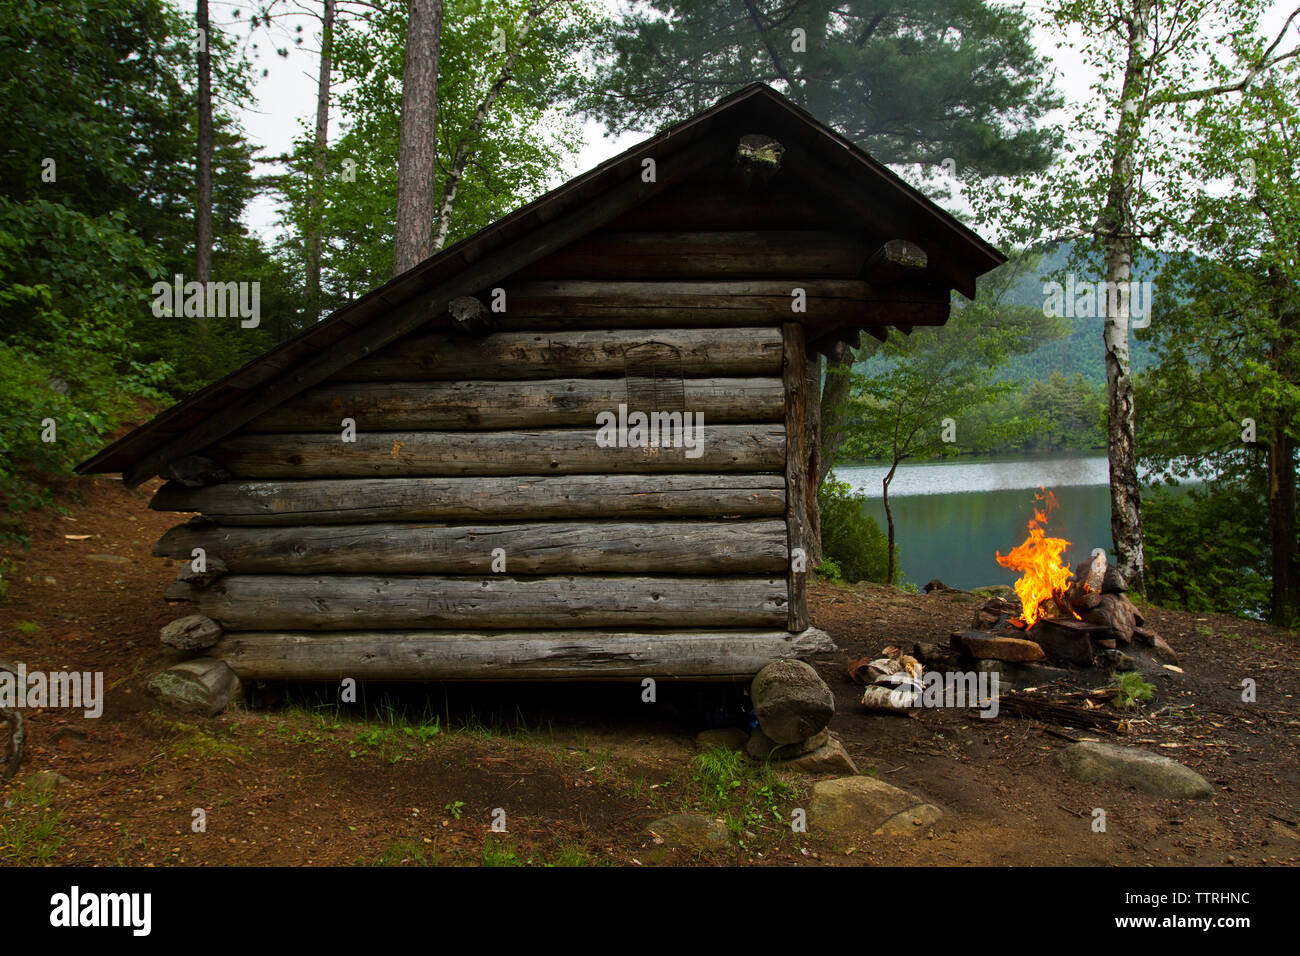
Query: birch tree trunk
[(314, 225), (1117, 229), (442, 223), (417, 140)]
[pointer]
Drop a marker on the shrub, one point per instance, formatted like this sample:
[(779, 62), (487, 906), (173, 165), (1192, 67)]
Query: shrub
[(1207, 549), (851, 540)]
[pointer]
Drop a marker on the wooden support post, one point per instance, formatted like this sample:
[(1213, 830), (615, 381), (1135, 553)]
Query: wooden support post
[(812, 437), (795, 373)]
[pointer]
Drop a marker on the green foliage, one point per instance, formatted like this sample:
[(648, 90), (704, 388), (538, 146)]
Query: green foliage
[(1206, 547), (66, 280), (1131, 689), (852, 543), (829, 569), (1224, 400), (513, 159), (96, 196), (912, 83)]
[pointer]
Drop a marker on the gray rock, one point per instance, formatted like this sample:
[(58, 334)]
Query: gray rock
[(1148, 772), (691, 831), (866, 805), (724, 738), (194, 632), (204, 686), (791, 702), (762, 747), (831, 757)]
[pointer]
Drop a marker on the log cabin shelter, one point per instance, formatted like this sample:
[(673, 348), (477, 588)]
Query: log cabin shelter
[(412, 488)]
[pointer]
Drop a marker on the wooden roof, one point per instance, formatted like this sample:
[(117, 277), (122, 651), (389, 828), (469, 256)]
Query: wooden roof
[(419, 297)]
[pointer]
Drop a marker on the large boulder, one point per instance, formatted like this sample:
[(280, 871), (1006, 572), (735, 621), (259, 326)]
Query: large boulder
[(866, 805), (791, 702), (1148, 772)]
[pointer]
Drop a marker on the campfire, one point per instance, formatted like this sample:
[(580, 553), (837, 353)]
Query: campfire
[(1080, 618)]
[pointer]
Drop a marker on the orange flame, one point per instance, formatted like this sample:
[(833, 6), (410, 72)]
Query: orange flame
[(1043, 576)]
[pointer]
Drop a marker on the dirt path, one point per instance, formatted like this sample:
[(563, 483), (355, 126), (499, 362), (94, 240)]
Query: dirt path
[(416, 775)]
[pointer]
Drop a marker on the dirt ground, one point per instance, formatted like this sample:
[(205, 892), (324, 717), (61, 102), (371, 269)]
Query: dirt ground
[(414, 775)]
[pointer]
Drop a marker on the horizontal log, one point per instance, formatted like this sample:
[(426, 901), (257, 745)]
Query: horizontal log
[(713, 204), (676, 254), (573, 304), (663, 547), (525, 655), (552, 451), (339, 602), (484, 499), (732, 352), (376, 406)]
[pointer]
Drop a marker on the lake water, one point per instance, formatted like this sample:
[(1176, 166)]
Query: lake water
[(951, 517)]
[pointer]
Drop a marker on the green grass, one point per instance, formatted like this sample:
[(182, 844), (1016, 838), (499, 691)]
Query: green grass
[(747, 795), (28, 627), (407, 853), (30, 838), (571, 856), (496, 853)]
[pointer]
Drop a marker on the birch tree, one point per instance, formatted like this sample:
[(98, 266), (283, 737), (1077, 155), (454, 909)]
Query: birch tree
[(1113, 189)]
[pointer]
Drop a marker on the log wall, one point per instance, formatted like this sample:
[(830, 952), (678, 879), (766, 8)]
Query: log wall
[(442, 509)]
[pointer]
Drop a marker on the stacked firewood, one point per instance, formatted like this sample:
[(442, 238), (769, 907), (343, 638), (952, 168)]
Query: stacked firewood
[(1092, 623)]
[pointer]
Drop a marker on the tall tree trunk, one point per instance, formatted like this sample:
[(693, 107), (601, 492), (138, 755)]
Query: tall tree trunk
[(203, 161), (314, 225), (1282, 477), (834, 406), (1117, 228), (417, 140)]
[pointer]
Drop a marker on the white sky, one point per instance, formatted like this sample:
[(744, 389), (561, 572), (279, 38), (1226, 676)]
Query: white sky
[(286, 97)]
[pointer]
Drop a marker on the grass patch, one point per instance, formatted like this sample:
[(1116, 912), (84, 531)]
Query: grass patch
[(747, 795), (497, 853), (29, 831), (571, 856), (407, 853)]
